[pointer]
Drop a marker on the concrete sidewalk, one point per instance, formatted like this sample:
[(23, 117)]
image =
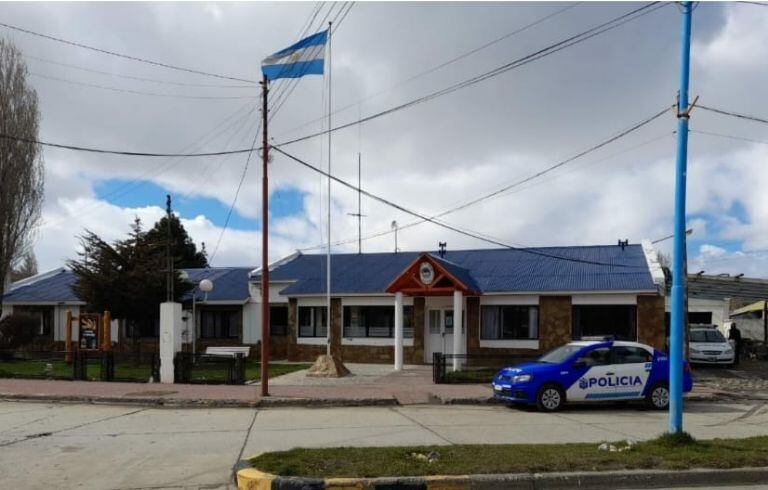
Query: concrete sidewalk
[(372, 385), (411, 386)]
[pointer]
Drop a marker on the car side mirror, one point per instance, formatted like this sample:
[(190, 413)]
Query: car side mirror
[(579, 364)]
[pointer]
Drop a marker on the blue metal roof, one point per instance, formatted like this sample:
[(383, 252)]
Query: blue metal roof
[(229, 284), (547, 269), (50, 287)]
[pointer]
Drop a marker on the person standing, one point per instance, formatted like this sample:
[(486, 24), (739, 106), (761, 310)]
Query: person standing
[(735, 335)]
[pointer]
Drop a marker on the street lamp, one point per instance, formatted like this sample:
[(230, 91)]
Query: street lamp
[(206, 286)]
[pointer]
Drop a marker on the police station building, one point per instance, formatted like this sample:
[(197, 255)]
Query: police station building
[(490, 301)]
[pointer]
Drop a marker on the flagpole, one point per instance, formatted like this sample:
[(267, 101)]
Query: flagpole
[(264, 244), (328, 252)]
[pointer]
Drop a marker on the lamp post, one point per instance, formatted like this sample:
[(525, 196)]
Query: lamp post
[(206, 286)]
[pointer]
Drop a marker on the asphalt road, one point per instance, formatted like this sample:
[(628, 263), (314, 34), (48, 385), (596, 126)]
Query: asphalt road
[(113, 447)]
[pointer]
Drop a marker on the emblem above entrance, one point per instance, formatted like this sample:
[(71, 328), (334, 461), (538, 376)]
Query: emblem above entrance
[(426, 273)]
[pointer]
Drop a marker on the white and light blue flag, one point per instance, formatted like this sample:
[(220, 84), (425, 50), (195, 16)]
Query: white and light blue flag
[(306, 57)]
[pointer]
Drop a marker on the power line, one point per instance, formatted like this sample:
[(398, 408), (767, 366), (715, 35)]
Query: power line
[(336, 22), (132, 77), (733, 114), (721, 135), (140, 92), (281, 85), (237, 193), (518, 183), (437, 222), (551, 49), (445, 63), (216, 131), (602, 28), (121, 55), (760, 4)]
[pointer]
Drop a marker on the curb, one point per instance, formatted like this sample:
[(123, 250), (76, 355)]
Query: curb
[(283, 402), (253, 479), (201, 403)]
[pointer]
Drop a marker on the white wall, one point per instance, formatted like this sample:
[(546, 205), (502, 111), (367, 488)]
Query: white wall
[(718, 308)]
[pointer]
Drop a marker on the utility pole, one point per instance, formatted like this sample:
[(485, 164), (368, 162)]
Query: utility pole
[(679, 255), (359, 208), (168, 259), (264, 243)]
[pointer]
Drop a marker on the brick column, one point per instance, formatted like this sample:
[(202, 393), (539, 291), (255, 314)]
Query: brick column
[(473, 324), (554, 321), (417, 353), (292, 332), (336, 327), (650, 320)]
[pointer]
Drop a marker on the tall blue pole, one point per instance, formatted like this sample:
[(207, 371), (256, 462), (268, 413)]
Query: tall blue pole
[(676, 334)]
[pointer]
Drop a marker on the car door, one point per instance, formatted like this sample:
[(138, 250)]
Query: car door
[(630, 369), (593, 366)]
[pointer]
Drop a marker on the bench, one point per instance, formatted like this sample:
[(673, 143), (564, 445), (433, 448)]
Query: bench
[(232, 351)]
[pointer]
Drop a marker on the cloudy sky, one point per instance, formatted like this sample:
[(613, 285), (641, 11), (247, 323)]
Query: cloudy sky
[(428, 157)]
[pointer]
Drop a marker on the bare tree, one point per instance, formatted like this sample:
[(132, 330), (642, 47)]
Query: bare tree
[(21, 164), (27, 267)]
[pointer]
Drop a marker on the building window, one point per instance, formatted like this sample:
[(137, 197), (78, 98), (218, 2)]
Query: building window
[(375, 321), (509, 322), (278, 321), (313, 321), (220, 324), (42, 315), (617, 321)]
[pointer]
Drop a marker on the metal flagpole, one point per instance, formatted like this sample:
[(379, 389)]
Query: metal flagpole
[(678, 266), (328, 253), (264, 244)]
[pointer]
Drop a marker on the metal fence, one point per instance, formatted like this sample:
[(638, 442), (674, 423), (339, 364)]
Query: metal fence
[(472, 368), (80, 365), (209, 369)]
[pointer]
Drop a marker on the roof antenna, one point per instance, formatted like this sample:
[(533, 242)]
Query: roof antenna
[(442, 246), (623, 243)]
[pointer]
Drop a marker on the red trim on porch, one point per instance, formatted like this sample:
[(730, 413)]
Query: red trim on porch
[(408, 282)]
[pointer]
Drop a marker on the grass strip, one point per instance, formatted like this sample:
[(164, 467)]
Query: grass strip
[(664, 453)]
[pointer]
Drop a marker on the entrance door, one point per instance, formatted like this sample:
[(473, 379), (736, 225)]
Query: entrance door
[(439, 336)]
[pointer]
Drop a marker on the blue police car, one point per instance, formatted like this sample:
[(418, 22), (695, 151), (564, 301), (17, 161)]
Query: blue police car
[(587, 371)]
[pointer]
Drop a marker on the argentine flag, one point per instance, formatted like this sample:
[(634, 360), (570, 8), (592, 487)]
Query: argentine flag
[(306, 57)]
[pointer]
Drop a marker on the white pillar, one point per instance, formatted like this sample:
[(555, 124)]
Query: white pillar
[(458, 301), (170, 339), (398, 331)]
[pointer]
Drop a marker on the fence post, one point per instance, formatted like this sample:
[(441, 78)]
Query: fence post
[(437, 367), (107, 366)]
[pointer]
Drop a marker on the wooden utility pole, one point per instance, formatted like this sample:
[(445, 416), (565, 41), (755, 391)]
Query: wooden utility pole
[(264, 243)]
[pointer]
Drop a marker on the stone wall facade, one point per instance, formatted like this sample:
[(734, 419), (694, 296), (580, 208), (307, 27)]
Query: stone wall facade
[(650, 321), (555, 321)]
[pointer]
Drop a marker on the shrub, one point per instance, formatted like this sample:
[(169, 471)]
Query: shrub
[(17, 331)]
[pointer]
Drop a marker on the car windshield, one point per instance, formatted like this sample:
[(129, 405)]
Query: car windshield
[(707, 336), (560, 354)]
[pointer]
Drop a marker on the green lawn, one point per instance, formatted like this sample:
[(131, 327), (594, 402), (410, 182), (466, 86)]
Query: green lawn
[(127, 370), (35, 368), (513, 458)]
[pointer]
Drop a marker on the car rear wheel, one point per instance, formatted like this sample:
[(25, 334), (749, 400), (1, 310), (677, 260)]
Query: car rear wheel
[(550, 398), (658, 396)]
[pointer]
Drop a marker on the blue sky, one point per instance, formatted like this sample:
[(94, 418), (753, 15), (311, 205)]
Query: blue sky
[(284, 202)]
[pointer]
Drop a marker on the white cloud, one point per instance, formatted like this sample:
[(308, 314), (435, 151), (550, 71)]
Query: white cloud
[(428, 157)]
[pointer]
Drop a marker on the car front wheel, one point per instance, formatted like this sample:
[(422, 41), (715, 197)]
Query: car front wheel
[(658, 396), (550, 398)]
